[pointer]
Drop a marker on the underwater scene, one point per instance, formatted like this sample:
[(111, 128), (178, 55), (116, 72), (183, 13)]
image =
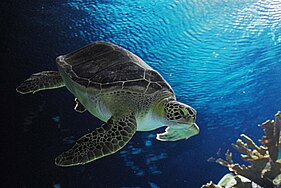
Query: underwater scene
[(210, 70)]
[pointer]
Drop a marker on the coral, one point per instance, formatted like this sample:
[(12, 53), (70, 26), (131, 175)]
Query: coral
[(211, 185), (264, 168)]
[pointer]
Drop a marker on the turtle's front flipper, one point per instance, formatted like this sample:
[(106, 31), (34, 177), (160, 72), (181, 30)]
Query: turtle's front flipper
[(79, 107), (41, 81), (105, 140)]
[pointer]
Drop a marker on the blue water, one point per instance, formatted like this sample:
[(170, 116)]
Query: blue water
[(221, 57)]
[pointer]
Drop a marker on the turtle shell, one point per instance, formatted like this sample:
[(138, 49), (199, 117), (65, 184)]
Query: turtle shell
[(102, 65)]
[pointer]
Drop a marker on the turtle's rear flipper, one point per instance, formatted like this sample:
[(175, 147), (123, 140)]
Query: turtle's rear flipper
[(41, 81), (105, 140)]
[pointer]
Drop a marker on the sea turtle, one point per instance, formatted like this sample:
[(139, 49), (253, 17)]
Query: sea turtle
[(120, 89)]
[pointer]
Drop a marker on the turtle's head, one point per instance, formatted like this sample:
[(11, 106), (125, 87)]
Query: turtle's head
[(179, 112), (181, 117)]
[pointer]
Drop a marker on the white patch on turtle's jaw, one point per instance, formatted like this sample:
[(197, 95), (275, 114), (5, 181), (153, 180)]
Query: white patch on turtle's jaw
[(194, 129), (178, 132), (188, 130)]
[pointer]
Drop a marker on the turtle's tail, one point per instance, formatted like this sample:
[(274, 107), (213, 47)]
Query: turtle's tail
[(41, 81)]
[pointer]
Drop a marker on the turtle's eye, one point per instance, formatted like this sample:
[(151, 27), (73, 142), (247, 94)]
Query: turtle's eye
[(183, 112)]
